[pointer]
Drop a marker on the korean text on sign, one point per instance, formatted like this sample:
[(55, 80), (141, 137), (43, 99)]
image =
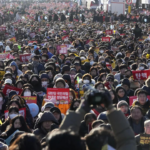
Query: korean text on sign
[(141, 74), (106, 39), (58, 94), (63, 49)]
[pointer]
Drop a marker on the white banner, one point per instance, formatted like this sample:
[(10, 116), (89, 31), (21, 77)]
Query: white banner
[(145, 1)]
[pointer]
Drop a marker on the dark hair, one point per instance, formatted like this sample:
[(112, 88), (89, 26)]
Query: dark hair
[(26, 141), (98, 137), (71, 107), (73, 93), (24, 126), (88, 115), (96, 122), (98, 83), (115, 101), (67, 140), (13, 101), (13, 108), (136, 107), (141, 92)]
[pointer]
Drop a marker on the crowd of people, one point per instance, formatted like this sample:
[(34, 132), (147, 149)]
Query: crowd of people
[(73, 78)]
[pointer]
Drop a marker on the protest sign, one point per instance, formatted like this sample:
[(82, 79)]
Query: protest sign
[(114, 48), (141, 74), (3, 56), (58, 94), (2, 28), (109, 32), (32, 35), (32, 41), (106, 39), (9, 56), (66, 37), (22, 111), (2, 74), (30, 99), (63, 49), (13, 39), (25, 57), (145, 140), (9, 88), (132, 99)]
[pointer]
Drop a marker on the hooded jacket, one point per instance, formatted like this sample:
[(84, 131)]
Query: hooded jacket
[(40, 132), (17, 71)]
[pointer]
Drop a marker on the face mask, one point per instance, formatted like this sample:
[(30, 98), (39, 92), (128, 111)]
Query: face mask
[(44, 84), (91, 63), (141, 68), (1, 99), (11, 116), (101, 51), (27, 93), (86, 81), (34, 83)]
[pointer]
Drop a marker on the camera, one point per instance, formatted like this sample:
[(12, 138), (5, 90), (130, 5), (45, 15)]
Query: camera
[(94, 97)]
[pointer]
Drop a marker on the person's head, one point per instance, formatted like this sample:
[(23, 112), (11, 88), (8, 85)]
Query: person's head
[(72, 95), (93, 72), (48, 106), (46, 120), (136, 113), (120, 91), (97, 123), (44, 80), (102, 77), (19, 122), (13, 112), (147, 126), (60, 83), (89, 118), (99, 85), (98, 137), (123, 106), (126, 84), (123, 69), (142, 97), (113, 96), (19, 84), (52, 50), (86, 78), (75, 104), (13, 102), (67, 140), (35, 80), (26, 141), (57, 114)]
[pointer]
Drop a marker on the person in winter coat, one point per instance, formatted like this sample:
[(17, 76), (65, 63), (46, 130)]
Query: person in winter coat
[(18, 123), (126, 85), (57, 114), (83, 18), (46, 123), (137, 31), (142, 101), (63, 18), (71, 17), (121, 94), (55, 17), (16, 71), (37, 66), (86, 124), (136, 120), (146, 87)]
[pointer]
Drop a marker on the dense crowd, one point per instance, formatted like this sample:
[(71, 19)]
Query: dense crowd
[(73, 78)]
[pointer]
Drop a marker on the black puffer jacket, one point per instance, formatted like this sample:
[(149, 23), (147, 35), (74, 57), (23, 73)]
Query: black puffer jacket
[(40, 132)]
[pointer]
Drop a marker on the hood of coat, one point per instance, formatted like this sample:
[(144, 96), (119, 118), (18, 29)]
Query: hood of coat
[(46, 116), (13, 63)]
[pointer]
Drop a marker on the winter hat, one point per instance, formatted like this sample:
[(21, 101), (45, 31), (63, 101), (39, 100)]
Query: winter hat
[(125, 82), (49, 105), (12, 93), (65, 68), (60, 80), (122, 103), (59, 75), (9, 81), (13, 63), (102, 116), (44, 75), (7, 49)]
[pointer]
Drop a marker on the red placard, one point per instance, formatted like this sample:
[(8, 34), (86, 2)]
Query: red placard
[(107, 84), (58, 94), (121, 25), (22, 112), (106, 39), (134, 98), (3, 56), (63, 49), (9, 88), (2, 28), (141, 74), (109, 66), (32, 35), (25, 57), (9, 56), (109, 32), (65, 37), (30, 99)]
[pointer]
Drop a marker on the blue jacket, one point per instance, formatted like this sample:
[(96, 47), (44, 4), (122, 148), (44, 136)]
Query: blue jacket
[(49, 54)]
